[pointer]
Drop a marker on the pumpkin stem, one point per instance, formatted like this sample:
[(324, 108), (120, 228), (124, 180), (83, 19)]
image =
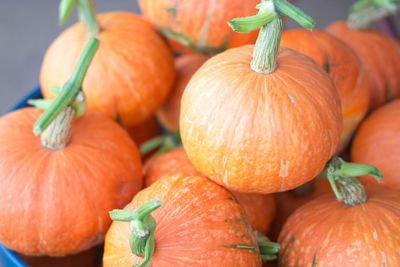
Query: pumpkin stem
[(270, 20), (341, 172), (165, 143), (86, 12), (268, 249), (60, 113), (365, 12), (143, 226)]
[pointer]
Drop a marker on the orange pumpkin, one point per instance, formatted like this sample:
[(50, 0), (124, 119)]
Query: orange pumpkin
[(186, 66), (200, 25), (87, 258), (259, 208), (379, 55), (198, 224), (131, 74), (144, 131), (75, 169), (324, 232), (377, 143), (288, 202), (343, 66)]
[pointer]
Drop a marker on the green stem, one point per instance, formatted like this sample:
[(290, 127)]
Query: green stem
[(268, 249), (69, 90), (365, 12), (86, 12), (143, 226), (164, 143), (270, 20), (341, 172)]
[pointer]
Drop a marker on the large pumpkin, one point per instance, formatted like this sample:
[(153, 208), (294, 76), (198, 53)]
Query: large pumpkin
[(198, 224), (259, 208), (200, 25), (47, 190), (186, 66), (343, 66), (131, 74), (325, 232), (377, 143), (379, 55)]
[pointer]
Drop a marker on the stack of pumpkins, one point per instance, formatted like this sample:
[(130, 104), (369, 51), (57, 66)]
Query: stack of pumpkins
[(257, 122)]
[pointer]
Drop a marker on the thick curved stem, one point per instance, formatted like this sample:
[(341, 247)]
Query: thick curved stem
[(86, 12), (268, 250), (143, 226)]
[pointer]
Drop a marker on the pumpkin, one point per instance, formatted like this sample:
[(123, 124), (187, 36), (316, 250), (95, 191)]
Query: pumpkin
[(378, 53), (88, 258), (288, 202), (200, 25), (377, 143), (264, 123), (199, 223), (259, 208), (324, 232), (131, 74), (75, 169), (186, 66), (343, 66), (144, 131)]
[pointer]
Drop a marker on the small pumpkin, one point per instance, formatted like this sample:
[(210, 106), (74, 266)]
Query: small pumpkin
[(378, 53), (185, 66), (345, 69), (199, 223), (259, 208), (288, 202), (88, 258), (377, 142), (200, 25), (363, 231), (50, 181), (264, 123), (131, 74)]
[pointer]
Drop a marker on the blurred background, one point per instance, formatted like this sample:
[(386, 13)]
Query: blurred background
[(28, 27)]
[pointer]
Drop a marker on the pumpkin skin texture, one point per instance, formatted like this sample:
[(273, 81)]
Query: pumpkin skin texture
[(288, 202), (328, 233), (196, 224), (260, 133), (88, 258), (47, 191), (200, 25), (343, 66), (185, 66), (379, 55), (377, 143), (130, 75), (260, 209)]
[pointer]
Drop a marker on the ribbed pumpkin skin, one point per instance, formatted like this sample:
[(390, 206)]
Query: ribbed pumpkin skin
[(130, 75), (328, 233), (260, 209), (196, 224), (379, 55), (288, 202), (201, 25), (377, 143), (56, 202), (88, 258), (343, 66), (185, 66), (260, 133)]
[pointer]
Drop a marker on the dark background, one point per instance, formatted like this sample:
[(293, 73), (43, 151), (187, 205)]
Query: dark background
[(27, 27)]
